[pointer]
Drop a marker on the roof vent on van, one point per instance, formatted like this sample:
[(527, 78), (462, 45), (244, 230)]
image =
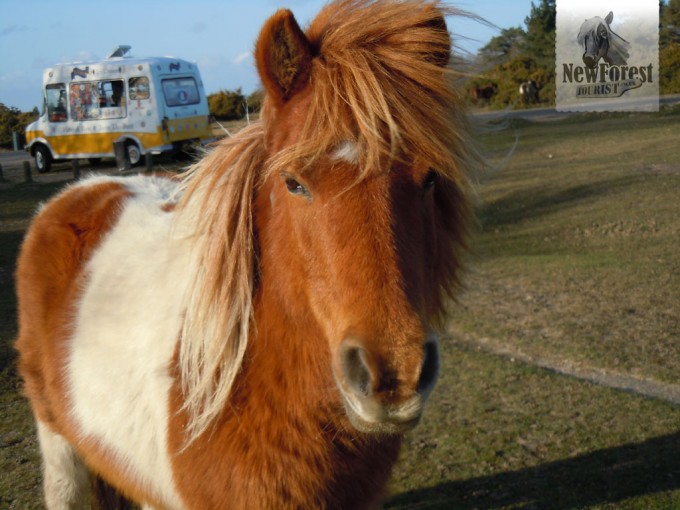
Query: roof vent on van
[(120, 51)]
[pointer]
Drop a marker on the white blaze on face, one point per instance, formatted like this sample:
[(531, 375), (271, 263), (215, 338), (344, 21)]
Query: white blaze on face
[(347, 151)]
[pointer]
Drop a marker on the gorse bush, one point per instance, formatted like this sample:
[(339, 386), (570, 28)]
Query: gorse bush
[(232, 104), (12, 120)]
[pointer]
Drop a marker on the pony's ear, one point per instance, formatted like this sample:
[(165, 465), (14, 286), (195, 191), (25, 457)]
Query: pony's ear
[(283, 57), (609, 17)]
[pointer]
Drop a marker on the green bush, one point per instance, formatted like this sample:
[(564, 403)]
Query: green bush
[(13, 121), (227, 104), (669, 69)]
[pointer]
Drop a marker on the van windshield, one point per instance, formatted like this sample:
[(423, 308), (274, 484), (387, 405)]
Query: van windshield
[(55, 100), (180, 91)]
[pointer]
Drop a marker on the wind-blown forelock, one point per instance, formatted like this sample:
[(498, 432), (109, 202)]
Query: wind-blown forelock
[(379, 79)]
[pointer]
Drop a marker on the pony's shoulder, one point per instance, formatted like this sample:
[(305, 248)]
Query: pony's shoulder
[(91, 207), (156, 188)]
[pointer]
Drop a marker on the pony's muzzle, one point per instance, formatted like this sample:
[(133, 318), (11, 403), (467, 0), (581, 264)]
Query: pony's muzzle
[(376, 397), (590, 60)]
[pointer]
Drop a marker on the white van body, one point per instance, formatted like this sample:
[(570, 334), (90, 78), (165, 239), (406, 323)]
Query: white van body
[(152, 105)]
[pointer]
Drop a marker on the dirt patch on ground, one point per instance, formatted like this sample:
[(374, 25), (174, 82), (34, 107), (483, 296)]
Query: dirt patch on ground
[(661, 169), (639, 385)]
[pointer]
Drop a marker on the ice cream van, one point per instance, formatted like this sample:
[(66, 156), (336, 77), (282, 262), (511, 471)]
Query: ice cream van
[(148, 105)]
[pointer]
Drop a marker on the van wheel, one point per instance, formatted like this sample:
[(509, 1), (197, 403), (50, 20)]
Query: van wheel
[(43, 159), (133, 153)]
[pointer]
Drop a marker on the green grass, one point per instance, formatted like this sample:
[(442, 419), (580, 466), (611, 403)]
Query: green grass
[(577, 253), (500, 434), (575, 258)]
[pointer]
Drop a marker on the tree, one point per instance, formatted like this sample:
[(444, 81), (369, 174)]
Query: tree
[(518, 55), (669, 47), (504, 46), (255, 101), (9, 123), (228, 105), (669, 23), (669, 69), (540, 34)]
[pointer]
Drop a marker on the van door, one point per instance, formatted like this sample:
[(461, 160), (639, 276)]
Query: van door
[(186, 114)]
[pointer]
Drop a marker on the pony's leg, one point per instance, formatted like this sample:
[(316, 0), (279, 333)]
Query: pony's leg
[(65, 479)]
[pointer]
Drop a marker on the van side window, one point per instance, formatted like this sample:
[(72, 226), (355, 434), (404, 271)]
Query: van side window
[(139, 88), (55, 98), (180, 91), (97, 100), (111, 93)]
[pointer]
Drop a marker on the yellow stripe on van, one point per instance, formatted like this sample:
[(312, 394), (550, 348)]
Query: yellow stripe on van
[(97, 143), (189, 128)]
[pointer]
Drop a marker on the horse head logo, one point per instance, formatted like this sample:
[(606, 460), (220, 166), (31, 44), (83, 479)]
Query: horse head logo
[(600, 42)]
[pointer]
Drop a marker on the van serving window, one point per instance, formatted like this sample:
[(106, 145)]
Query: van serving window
[(55, 102), (139, 88), (180, 91), (97, 100)]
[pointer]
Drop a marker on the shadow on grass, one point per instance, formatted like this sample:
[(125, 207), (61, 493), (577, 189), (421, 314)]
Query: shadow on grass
[(532, 203), (16, 202), (9, 248), (604, 476)]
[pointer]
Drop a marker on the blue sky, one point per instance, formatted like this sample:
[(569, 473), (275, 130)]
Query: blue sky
[(216, 34)]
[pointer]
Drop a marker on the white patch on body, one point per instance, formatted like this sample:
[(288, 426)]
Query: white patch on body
[(125, 335)]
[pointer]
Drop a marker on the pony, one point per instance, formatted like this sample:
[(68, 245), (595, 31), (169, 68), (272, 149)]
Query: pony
[(528, 92), (261, 331), (600, 42), (485, 92)]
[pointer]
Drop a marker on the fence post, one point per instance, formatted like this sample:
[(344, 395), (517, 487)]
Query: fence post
[(16, 141), (122, 159), (149, 163), (2, 176), (27, 172), (75, 164)]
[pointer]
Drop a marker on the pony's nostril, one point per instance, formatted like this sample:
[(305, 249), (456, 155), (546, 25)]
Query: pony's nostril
[(356, 370), (430, 368)]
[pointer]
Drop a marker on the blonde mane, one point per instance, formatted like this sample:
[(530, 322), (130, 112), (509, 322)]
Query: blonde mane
[(216, 208), (379, 79)]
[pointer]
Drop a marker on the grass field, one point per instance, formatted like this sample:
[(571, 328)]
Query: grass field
[(575, 260)]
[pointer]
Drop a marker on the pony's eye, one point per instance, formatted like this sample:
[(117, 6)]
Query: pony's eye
[(295, 187), (430, 180)]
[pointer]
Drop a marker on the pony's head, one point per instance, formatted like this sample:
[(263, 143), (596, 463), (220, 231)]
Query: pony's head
[(600, 42), (360, 211)]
